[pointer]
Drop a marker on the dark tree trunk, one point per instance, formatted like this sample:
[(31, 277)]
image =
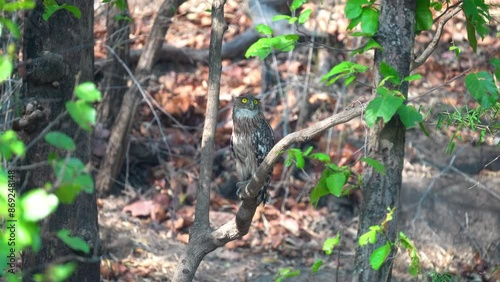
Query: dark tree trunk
[(59, 54), (386, 142), (114, 84)]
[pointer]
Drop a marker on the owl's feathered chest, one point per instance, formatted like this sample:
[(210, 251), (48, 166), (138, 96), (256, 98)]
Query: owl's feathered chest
[(251, 141)]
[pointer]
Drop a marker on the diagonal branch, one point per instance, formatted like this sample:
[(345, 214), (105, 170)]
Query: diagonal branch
[(205, 240), (420, 60)]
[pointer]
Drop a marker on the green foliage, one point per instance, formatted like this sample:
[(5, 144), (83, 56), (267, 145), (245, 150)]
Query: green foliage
[(74, 243), (121, 4), (371, 44), (390, 73), (477, 16), (285, 273), (265, 46), (384, 106), (414, 268), (442, 277), (496, 65), (364, 12), (380, 168), (346, 69), (6, 68), (331, 243), (482, 87), (60, 140), (380, 254), (316, 265), (37, 204), (409, 116), (475, 119), (423, 16), (57, 273), (10, 145), (51, 7)]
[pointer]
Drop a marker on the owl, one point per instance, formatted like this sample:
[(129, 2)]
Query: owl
[(251, 141)]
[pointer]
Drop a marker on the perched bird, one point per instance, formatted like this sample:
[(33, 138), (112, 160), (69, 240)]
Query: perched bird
[(251, 141)]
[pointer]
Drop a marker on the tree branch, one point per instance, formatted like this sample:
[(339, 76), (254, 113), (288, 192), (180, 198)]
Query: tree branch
[(204, 241), (432, 46)]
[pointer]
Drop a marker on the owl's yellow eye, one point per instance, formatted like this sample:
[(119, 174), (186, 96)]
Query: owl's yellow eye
[(244, 100), (256, 102)]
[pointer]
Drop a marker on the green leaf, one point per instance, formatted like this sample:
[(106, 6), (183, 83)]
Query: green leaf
[(384, 106), (380, 168), (10, 144), (370, 236), (482, 88), (390, 73), (496, 64), (82, 113), (371, 44), (369, 21), (354, 22), (11, 26), (66, 193), (414, 267), (264, 46), (304, 16), (320, 190), (6, 68), (331, 243), (297, 4), (60, 140), (335, 182), (299, 159), (471, 35), (423, 16), (264, 29), (322, 157), (349, 80), (316, 265), (286, 273), (85, 182), (37, 204), (49, 11), (409, 116), (379, 255), (60, 272), (353, 8), (307, 151), (413, 77), (280, 17), (72, 9), (75, 243), (18, 5), (88, 92)]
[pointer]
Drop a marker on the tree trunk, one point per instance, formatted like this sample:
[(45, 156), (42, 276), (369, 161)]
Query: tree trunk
[(59, 54), (111, 163), (386, 142), (115, 75)]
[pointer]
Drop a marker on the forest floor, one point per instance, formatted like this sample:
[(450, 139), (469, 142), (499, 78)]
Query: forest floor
[(450, 205)]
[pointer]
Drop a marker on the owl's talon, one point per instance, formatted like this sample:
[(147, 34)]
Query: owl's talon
[(241, 189)]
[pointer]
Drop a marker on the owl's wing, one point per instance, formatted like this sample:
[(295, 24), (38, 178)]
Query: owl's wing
[(263, 141)]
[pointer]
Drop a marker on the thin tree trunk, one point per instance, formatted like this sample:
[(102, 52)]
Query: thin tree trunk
[(386, 142), (112, 161), (115, 75)]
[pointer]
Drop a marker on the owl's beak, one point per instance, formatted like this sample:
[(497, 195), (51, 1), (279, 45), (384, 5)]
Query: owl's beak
[(252, 106)]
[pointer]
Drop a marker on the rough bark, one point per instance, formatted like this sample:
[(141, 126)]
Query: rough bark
[(386, 142), (112, 161), (115, 75), (59, 54)]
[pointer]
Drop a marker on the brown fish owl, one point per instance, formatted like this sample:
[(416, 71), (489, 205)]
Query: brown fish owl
[(251, 141)]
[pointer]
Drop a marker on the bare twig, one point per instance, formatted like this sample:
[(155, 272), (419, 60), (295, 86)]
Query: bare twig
[(432, 46)]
